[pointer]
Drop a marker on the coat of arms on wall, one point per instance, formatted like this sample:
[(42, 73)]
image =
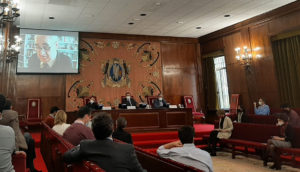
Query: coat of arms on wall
[(116, 73)]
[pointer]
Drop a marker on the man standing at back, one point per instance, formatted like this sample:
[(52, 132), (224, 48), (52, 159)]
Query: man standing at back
[(78, 130), (185, 152), (107, 154), (294, 118)]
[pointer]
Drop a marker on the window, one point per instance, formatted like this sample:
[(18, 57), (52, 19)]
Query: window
[(221, 79)]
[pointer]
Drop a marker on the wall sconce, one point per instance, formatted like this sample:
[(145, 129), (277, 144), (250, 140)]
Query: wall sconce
[(246, 56)]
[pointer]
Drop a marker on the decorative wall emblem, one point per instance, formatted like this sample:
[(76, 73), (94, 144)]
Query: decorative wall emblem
[(116, 73)]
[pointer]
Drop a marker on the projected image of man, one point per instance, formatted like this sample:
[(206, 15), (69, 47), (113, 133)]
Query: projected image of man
[(46, 58)]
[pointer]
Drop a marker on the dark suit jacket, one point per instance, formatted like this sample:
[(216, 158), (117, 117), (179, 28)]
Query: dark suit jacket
[(109, 155), (122, 135), (62, 63), (125, 101), (156, 103), (93, 106), (10, 118)]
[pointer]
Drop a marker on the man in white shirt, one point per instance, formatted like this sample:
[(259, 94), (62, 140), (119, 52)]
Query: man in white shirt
[(184, 151)]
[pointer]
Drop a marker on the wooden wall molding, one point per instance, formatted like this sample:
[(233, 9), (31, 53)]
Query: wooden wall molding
[(162, 39), (258, 20)]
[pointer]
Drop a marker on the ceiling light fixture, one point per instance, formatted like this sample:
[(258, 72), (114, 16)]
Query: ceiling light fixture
[(131, 23), (9, 10), (226, 15), (143, 14), (51, 18)]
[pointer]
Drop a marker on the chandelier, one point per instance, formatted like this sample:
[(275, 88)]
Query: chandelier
[(9, 10), (245, 57), (12, 50)]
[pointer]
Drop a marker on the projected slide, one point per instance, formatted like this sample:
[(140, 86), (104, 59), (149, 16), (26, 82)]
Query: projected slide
[(44, 51)]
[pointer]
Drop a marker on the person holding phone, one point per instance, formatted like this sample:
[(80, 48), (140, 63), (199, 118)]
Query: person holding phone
[(284, 140)]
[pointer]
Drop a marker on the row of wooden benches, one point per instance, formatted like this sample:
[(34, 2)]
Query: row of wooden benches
[(53, 146), (251, 138)]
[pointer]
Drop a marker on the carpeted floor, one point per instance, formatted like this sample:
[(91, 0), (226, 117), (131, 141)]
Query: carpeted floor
[(223, 163), (39, 163)]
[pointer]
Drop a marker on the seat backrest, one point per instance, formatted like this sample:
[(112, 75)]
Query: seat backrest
[(153, 163), (33, 108), (189, 102), (53, 146), (254, 132), (262, 119), (19, 162), (87, 99), (234, 103), (151, 99)]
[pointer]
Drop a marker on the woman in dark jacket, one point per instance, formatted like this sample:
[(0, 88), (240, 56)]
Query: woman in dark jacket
[(282, 141)]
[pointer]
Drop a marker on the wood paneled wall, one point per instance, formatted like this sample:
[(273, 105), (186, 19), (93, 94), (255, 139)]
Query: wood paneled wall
[(179, 63), (260, 80)]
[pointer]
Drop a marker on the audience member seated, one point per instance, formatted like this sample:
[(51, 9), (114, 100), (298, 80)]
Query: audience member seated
[(160, 102), (262, 108), (241, 115), (108, 155), (128, 100), (120, 134), (93, 104), (78, 130), (23, 142), (282, 141), (10, 118), (7, 144), (50, 118), (223, 132), (185, 152), (294, 118), (60, 120)]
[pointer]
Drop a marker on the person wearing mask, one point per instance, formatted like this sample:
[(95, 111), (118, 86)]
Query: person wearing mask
[(120, 133), (282, 141), (92, 104), (242, 117), (50, 118), (223, 132), (60, 120), (78, 130), (185, 151), (128, 100), (262, 108), (294, 118), (160, 102), (107, 154)]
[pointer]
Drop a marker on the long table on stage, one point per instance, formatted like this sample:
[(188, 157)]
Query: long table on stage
[(139, 120)]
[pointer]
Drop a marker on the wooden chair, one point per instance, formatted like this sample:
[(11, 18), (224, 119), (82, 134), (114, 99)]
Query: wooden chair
[(150, 100), (189, 103), (19, 163), (86, 100), (33, 116)]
